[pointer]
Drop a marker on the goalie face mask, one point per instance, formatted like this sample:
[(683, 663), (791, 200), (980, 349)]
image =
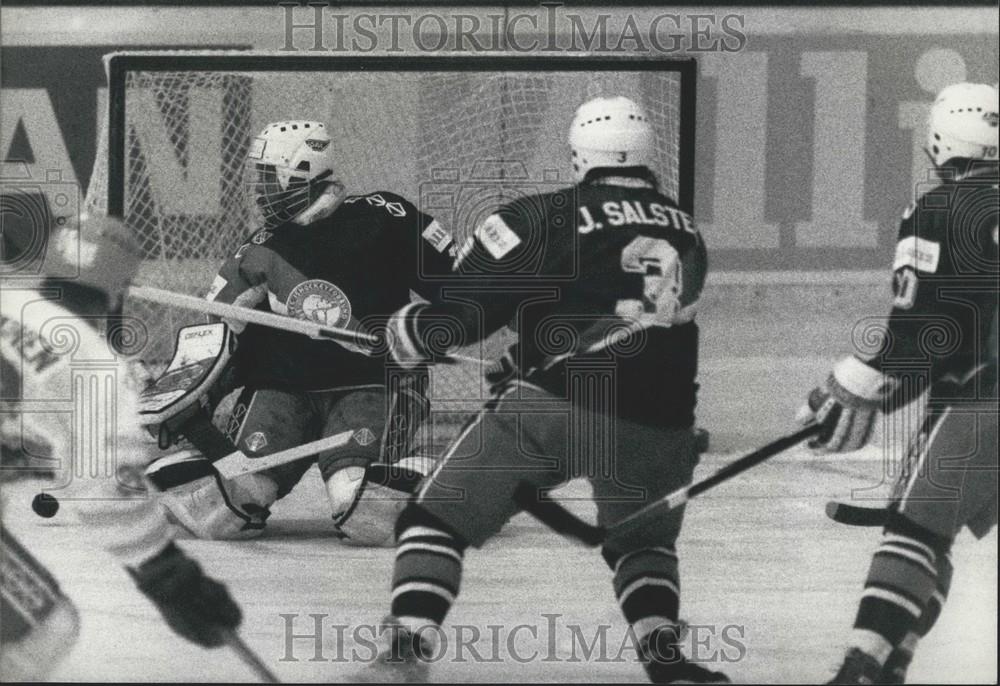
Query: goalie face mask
[(288, 165), (279, 204)]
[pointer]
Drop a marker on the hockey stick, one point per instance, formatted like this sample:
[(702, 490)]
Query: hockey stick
[(682, 495), (250, 316), (250, 658), (269, 319), (561, 520), (856, 515), (238, 463)]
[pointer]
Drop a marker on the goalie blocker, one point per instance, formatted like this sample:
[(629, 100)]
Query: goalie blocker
[(365, 491)]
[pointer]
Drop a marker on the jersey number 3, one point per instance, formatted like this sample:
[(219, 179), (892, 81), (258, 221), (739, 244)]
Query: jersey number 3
[(659, 263)]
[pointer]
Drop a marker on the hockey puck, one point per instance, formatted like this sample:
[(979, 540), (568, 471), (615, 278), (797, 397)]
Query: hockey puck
[(45, 505)]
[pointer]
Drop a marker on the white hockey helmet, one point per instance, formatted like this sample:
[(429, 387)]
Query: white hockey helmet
[(610, 132), (963, 123), (99, 252), (288, 163)]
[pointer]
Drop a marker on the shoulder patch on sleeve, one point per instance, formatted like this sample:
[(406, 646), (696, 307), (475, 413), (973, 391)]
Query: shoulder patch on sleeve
[(437, 236), (498, 238), (919, 253), (261, 237), (217, 285)]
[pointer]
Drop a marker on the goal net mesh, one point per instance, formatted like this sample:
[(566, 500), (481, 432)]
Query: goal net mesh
[(455, 143)]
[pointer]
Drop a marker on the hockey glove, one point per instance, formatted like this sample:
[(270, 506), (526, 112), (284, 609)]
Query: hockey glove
[(846, 406), (195, 606)]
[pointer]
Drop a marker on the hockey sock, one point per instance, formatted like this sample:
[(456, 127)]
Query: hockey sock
[(901, 657), (647, 585), (945, 570), (428, 570), (901, 583)]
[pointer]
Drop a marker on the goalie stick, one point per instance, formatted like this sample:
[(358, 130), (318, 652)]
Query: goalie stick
[(239, 463), (250, 316), (562, 521), (269, 319)]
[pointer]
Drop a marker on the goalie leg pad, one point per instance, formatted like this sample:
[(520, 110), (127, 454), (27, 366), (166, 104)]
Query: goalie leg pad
[(208, 506), (367, 502), (361, 411), (39, 624)]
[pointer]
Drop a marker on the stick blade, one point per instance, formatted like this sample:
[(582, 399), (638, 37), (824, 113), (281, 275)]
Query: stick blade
[(855, 515)]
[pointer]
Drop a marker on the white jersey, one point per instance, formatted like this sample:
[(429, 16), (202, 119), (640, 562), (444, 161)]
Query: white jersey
[(80, 395)]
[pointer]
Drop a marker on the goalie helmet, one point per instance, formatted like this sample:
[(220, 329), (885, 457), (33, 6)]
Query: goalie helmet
[(610, 132), (289, 163), (963, 123)]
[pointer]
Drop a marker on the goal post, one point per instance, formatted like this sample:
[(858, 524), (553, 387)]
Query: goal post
[(455, 134)]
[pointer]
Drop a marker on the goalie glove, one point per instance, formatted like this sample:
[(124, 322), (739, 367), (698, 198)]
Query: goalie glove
[(195, 606), (847, 406)]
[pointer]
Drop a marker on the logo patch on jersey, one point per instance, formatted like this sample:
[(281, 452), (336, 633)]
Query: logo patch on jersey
[(261, 237), (919, 253), (496, 236), (437, 235), (364, 436), (256, 441), (319, 301), (236, 421)]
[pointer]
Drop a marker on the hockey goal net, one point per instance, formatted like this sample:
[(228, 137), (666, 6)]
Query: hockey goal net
[(457, 137)]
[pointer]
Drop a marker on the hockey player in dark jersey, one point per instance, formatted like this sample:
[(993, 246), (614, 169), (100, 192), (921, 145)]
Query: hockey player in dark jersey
[(942, 336), (340, 260), (602, 280)]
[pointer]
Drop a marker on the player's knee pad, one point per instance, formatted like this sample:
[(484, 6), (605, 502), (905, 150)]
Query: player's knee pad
[(367, 501), (208, 506)]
